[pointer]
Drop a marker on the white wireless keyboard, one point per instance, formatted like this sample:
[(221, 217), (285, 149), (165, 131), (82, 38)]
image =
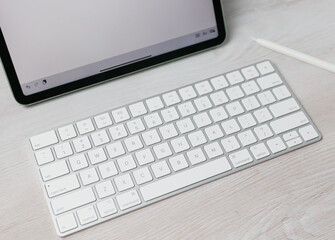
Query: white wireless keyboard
[(112, 163)]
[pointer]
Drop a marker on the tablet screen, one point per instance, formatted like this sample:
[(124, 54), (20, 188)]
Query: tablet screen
[(53, 43)]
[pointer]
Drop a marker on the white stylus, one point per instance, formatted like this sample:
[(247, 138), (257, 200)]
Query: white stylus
[(295, 54)]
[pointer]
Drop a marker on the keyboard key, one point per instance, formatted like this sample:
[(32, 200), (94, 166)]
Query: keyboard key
[(250, 103), (186, 109), (289, 122), (290, 135), (266, 98), (151, 137), (87, 215), (63, 150), (179, 144), (133, 143), (72, 200), (62, 185), (269, 81), (265, 67), (108, 169), (81, 144), (187, 93), (154, 104), (250, 87), (276, 145), (218, 114), (197, 138), (160, 169), (202, 120), (128, 200), (115, 149), (234, 108), (202, 103), (234, 77), (144, 156), (281, 92), (118, 132), (240, 158), (78, 162), (106, 208), (230, 144), (178, 162), (219, 82), (219, 98), (89, 176), (43, 140), (54, 170), (203, 88), (162, 150), (105, 189), (235, 93), (153, 120), (135, 126), (66, 222), (213, 132), (250, 72), (97, 156), (169, 114), (259, 151), (67, 132), (230, 126), (168, 131), (85, 126), (126, 163), (44, 156), (137, 109), (284, 107), (100, 138), (213, 150), (120, 115), (262, 115), (184, 179), (308, 133), (171, 98), (196, 156), (294, 142), (263, 132), (142, 175), (123, 182), (247, 138), (246, 121), (103, 120), (185, 125)]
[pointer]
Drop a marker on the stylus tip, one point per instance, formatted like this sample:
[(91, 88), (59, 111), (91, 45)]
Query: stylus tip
[(255, 39)]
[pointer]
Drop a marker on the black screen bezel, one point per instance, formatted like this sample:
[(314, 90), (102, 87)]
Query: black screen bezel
[(109, 75)]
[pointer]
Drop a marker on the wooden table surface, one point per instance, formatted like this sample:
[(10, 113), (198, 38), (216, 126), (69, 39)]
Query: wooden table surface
[(290, 197)]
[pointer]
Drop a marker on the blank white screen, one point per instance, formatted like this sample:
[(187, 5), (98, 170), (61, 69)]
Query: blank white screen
[(49, 37)]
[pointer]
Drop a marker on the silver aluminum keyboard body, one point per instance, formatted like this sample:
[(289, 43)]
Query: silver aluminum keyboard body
[(107, 165)]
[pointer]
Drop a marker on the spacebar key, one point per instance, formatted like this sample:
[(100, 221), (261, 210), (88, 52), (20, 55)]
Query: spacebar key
[(183, 179)]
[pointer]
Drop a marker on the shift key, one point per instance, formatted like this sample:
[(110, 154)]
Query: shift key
[(73, 200), (289, 122)]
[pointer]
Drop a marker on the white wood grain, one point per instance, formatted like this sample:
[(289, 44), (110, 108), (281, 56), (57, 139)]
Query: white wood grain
[(290, 197)]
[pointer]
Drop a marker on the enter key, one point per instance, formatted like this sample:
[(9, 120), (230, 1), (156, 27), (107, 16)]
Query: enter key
[(284, 107)]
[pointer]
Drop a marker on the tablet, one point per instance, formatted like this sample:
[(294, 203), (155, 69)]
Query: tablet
[(49, 48)]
